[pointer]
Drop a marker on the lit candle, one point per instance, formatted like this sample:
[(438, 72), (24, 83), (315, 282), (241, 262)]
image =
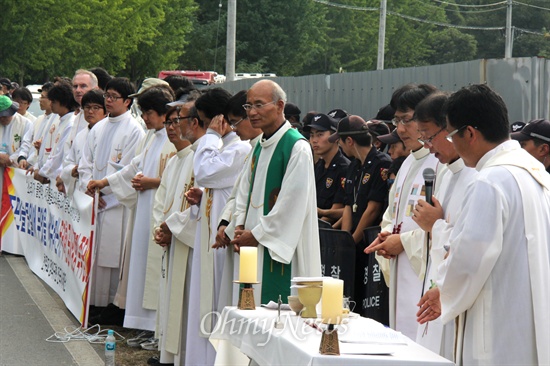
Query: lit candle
[(248, 265), (332, 300)]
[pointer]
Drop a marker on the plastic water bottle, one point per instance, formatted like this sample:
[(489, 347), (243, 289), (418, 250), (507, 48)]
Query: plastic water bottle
[(110, 346)]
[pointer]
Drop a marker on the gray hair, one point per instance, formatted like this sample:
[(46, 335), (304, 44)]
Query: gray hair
[(278, 92), (92, 76)]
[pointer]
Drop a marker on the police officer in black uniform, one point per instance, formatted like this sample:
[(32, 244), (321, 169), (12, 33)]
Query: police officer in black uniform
[(330, 169)]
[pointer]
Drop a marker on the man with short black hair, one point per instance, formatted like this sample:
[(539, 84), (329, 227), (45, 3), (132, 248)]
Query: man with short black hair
[(93, 108), (135, 186), (218, 160), (63, 104), (401, 244), (5, 87), (31, 149), (23, 96), (535, 139), (111, 146), (439, 217), (499, 246)]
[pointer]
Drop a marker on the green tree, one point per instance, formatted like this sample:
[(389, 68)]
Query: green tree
[(167, 44), (281, 36), (451, 45), (114, 34)]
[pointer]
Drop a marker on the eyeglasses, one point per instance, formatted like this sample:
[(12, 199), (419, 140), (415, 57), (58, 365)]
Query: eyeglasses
[(234, 124), (429, 140), (451, 134), (402, 121), (247, 107), (93, 108), (175, 121), (112, 97)]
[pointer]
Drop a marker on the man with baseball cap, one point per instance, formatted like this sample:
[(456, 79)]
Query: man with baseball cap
[(535, 139), (13, 127), (396, 147), (378, 128), (330, 169)]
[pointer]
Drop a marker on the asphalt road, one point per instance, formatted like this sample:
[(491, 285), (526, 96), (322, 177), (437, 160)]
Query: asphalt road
[(30, 313)]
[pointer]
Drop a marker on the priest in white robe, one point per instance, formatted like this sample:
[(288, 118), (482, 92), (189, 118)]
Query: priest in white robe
[(174, 278), (401, 247), (438, 219), (93, 109), (30, 145), (217, 162), (111, 146), (495, 279), (276, 205), (83, 81), (135, 185), (63, 104), (238, 120)]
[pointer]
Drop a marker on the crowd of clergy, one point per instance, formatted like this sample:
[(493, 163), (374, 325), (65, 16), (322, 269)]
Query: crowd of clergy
[(184, 178)]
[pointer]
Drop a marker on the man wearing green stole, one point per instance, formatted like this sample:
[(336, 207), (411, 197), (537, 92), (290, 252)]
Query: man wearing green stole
[(276, 206)]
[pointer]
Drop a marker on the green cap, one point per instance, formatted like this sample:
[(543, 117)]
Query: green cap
[(5, 103)]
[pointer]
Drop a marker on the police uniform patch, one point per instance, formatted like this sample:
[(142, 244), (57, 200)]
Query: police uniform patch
[(366, 178), (328, 183), (384, 174)]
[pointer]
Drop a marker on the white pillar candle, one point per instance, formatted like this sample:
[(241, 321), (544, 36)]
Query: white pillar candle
[(332, 300), (248, 265)]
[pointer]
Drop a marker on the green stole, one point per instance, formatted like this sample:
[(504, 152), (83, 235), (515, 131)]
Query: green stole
[(275, 275)]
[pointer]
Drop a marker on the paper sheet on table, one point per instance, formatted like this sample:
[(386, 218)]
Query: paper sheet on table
[(366, 349), (272, 305), (370, 332)]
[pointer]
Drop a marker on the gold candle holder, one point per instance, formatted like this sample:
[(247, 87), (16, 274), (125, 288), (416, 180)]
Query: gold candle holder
[(246, 297), (329, 342)]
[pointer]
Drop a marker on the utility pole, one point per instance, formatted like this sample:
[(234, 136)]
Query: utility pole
[(509, 31), (381, 36), (231, 39)]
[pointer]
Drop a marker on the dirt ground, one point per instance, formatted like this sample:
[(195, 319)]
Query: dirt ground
[(125, 355), (130, 356)]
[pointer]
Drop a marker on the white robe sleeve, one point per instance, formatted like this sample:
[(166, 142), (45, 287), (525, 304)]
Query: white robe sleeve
[(26, 144), (476, 243), (211, 163), (183, 225), (68, 165), (278, 230), (121, 182), (160, 196)]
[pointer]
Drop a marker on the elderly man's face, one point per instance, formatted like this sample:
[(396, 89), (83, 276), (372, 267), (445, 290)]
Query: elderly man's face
[(265, 112), (82, 83)]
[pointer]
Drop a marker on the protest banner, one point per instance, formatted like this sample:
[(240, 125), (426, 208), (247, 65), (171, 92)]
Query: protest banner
[(54, 232)]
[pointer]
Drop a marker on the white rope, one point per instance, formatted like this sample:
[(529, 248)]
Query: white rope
[(79, 334)]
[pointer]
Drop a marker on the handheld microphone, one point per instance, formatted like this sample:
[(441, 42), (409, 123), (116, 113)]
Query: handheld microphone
[(429, 176)]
